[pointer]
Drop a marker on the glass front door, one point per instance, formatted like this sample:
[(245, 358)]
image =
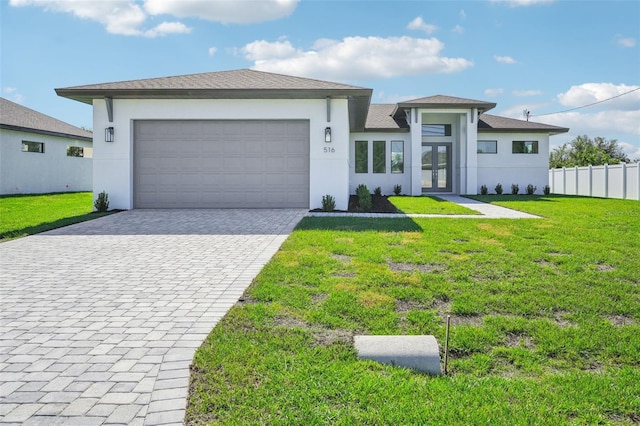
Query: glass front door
[(436, 167)]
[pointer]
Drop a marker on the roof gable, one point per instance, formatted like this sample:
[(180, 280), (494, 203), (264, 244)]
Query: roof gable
[(442, 101), (14, 116)]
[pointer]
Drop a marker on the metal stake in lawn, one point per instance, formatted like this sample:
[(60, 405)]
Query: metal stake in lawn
[(446, 345)]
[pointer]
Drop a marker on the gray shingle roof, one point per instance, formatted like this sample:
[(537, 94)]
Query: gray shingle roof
[(17, 117), (489, 123), (234, 79), (381, 118), (236, 84), (442, 101)]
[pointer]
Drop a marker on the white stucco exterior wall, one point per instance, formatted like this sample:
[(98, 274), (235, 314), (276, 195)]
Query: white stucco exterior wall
[(113, 162), (38, 173), (386, 181), (507, 168)]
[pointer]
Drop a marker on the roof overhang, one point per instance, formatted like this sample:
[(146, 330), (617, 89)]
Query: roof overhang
[(45, 132), (358, 99), (388, 130), (482, 107), (552, 131)]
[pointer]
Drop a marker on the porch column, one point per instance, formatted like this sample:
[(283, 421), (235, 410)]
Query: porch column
[(416, 153), (469, 184)]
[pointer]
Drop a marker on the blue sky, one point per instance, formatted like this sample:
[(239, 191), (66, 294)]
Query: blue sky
[(541, 55)]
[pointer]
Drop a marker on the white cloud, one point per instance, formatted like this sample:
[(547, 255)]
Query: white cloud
[(262, 50), (603, 123), (527, 92), (632, 151), (625, 41), (589, 93), (493, 92), (167, 28), (463, 14), (505, 59), (419, 24), (118, 16), (458, 29), (355, 58), (518, 3), (212, 51), (128, 17), (224, 11), (13, 95)]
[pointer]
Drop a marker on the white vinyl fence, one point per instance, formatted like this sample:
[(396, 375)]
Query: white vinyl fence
[(615, 181)]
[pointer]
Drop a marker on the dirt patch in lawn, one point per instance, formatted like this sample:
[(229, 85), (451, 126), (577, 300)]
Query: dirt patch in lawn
[(519, 341), (406, 306), (560, 319), (620, 320), (412, 267), (604, 268), (342, 258), (321, 336)]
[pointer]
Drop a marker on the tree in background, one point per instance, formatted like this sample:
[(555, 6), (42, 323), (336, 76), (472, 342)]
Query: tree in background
[(583, 151)]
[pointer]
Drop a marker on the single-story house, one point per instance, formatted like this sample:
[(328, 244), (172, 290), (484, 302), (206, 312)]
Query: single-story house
[(39, 154), (251, 139)]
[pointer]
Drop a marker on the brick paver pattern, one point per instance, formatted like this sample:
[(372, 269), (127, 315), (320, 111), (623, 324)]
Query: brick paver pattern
[(99, 321)]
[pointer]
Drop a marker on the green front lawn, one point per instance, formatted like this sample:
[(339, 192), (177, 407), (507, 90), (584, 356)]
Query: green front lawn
[(428, 205), (545, 322), (22, 215)]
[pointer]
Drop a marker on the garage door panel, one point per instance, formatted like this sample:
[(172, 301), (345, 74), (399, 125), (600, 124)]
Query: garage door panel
[(221, 164)]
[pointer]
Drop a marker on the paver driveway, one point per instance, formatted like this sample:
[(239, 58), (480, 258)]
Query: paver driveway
[(100, 320)]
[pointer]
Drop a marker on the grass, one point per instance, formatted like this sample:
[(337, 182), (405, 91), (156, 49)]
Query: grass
[(428, 205), (22, 215), (545, 322)]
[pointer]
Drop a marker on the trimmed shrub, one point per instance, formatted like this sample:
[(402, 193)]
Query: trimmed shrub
[(101, 204), (546, 190), (397, 189), (328, 203), (484, 190), (515, 189), (377, 191), (531, 189), (364, 198), (498, 189)]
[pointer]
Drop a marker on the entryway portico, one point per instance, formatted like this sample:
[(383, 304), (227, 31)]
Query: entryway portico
[(444, 130)]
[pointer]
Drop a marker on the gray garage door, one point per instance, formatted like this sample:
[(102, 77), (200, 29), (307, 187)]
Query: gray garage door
[(221, 164)]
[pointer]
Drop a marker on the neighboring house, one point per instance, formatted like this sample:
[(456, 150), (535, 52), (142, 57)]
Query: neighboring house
[(250, 139), (39, 154)]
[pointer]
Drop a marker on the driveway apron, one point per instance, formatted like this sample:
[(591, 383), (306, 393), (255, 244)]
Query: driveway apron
[(100, 320)]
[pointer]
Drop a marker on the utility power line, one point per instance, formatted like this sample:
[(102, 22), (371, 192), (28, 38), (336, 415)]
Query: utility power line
[(584, 106)]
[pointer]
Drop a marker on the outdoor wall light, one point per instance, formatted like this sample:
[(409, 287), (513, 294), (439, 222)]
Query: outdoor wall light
[(108, 134), (327, 135)]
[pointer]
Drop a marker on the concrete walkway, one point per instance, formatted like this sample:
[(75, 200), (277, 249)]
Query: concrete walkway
[(487, 211), (99, 321)]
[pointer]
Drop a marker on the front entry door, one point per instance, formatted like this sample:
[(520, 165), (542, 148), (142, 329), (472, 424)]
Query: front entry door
[(436, 167)]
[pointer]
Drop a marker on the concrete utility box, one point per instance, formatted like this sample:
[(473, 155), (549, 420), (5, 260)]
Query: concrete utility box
[(417, 352)]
